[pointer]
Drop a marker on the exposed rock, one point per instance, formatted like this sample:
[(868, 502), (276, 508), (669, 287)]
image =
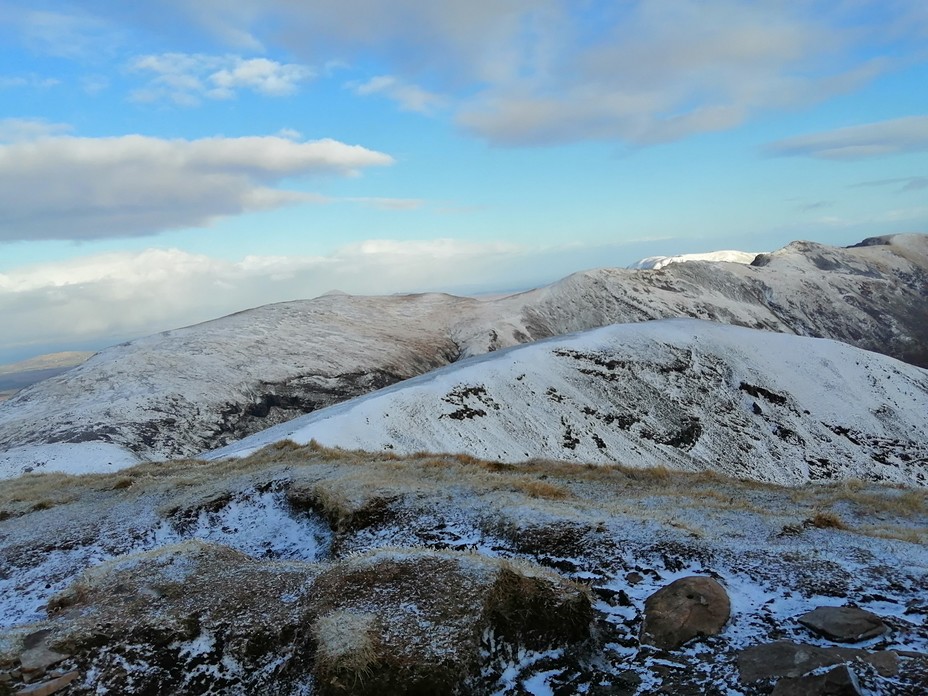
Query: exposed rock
[(839, 681), (684, 609), (844, 624), (35, 661), (787, 659), (52, 686)]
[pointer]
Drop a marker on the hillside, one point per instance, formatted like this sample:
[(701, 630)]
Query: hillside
[(306, 570), (202, 387), (684, 393)]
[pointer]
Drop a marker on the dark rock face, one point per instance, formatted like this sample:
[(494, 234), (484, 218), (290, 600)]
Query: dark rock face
[(683, 610), (844, 624)]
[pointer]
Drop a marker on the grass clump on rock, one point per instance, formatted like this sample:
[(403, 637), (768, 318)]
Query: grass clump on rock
[(411, 621)]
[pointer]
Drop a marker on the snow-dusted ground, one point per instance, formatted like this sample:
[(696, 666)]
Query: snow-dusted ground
[(626, 534), (254, 522), (727, 255), (71, 458), (184, 391), (681, 392)]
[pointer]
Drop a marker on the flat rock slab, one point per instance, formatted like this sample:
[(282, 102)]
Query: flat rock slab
[(684, 609), (839, 681), (47, 688), (787, 659), (38, 659), (844, 624)]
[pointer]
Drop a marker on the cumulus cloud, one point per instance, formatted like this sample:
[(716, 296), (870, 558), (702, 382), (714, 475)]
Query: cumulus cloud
[(896, 136), (65, 187), (409, 97), (185, 78)]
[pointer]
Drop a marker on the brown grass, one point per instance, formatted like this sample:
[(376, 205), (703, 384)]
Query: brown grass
[(825, 520)]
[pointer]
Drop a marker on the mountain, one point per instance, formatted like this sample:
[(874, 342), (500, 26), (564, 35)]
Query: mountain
[(728, 255), (202, 387), (688, 394)]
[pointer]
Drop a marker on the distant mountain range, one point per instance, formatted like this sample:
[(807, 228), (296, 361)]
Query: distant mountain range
[(199, 388)]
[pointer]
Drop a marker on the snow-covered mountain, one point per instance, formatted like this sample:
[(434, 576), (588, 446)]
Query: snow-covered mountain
[(681, 392), (726, 255), (194, 389)]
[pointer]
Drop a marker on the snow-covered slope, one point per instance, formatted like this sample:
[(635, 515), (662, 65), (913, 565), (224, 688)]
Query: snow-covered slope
[(681, 392), (727, 255), (202, 387)]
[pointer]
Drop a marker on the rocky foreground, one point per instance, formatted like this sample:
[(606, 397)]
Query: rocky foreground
[(308, 570)]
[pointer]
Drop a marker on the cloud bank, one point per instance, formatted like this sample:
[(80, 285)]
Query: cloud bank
[(123, 294), (65, 187)]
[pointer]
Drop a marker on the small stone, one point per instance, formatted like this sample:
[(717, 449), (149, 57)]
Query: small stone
[(52, 686), (844, 624), (634, 577), (684, 609), (839, 681)]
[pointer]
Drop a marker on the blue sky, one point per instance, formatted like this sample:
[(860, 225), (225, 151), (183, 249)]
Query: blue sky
[(166, 162)]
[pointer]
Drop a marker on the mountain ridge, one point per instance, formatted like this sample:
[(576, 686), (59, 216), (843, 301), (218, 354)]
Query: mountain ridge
[(184, 391)]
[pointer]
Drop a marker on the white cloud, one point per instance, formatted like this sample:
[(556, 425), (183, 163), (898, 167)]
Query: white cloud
[(63, 187), (896, 136), (410, 97), (185, 78)]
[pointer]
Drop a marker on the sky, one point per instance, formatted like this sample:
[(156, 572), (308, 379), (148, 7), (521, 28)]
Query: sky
[(167, 162)]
